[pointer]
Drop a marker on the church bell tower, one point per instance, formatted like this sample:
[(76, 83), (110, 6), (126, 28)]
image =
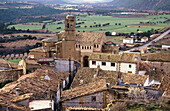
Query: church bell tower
[(70, 27), (68, 41)]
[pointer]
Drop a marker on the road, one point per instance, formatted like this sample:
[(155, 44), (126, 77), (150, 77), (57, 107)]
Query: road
[(150, 43)]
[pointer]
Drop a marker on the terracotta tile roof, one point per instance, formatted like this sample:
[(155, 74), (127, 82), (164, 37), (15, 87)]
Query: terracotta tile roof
[(109, 47), (84, 90), (129, 57), (9, 100), (37, 84), (21, 97), (144, 37), (31, 62), (28, 61), (153, 74), (165, 83), (89, 37), (104, 57), (161, 57), (40, 49), (7, 64), (134, 78), (125, 57), (87, 75), (26, 76), (127, 38)]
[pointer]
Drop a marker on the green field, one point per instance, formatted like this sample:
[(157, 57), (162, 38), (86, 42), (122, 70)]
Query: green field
[(131, 23), (14, 60)]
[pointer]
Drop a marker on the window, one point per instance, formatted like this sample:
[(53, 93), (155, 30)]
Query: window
[(87, 47), (97, 46), (90, 47), (103, 63), (76, 45), (93, 98), (93, 62), (113, 64), (130, 66), (82, 47), (67, 25), (94, 45), (71, 25)]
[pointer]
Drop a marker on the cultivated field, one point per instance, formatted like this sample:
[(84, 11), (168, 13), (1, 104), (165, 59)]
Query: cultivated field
[(37, 35), (115, 39), (20, 43), (123, 25)]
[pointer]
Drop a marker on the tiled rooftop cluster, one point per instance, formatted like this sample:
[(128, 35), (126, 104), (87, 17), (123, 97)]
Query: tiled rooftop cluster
[(34, 84), (84, 90), (88, 75), (125, 57), (162, 57), (7, 64)]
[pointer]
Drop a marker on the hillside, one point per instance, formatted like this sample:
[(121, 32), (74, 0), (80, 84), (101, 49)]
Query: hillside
[(43, 1), (143, 4)]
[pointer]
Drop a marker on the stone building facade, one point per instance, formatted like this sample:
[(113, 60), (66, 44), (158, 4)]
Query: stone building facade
[(126, 62), (94, 95), (12, 75), (71, 44)]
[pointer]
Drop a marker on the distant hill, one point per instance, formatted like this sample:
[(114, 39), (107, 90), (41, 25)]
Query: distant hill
[(143, 4), (43, 1)]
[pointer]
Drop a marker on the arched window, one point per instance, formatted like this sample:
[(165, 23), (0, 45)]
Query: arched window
[(97, 46), (90, 47), (82, 47), (94, 45), (87, 47), (67, 25), (79, 46)]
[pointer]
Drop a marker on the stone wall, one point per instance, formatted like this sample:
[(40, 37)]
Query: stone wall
[(86, 101), (12, 75), (102, 99)]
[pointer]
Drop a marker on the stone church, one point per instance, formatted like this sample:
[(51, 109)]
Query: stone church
[(71, 44)]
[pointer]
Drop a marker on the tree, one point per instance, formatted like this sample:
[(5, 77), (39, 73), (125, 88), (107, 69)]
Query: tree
[(107, 33)]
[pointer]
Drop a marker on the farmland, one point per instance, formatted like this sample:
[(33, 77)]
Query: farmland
[(20, 43), (95, 24)]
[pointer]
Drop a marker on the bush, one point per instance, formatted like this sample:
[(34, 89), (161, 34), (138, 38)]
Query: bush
[(119, 106)]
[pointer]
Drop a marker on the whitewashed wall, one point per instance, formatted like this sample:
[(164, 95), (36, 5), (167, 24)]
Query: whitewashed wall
[(124, 67), (107, 67)]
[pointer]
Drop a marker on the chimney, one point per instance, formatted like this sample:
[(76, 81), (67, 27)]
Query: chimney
[(17, 91), (98, 70)]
